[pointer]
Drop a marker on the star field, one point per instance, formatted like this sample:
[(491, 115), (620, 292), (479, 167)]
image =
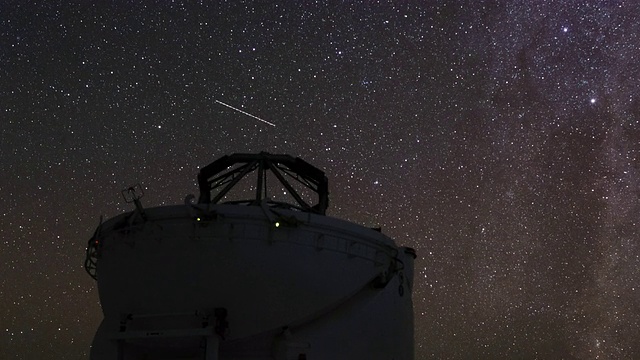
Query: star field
[(500, 139)]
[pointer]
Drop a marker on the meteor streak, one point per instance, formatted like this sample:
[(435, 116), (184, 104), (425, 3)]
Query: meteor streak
[(246, 113)]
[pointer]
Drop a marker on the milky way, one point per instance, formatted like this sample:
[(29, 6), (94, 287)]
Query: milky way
[(499, 139)]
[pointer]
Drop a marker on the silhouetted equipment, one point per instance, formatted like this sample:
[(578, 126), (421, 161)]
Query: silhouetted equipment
[(257, 278), (217, 176)]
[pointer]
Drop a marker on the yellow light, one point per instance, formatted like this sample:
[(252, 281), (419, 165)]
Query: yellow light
[(277, 224), (198, 219)]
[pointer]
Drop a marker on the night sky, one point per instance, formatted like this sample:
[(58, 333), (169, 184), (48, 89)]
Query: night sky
[(499, 139)]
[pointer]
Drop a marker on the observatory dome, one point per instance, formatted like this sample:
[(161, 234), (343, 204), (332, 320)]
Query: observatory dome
[(258, 278)]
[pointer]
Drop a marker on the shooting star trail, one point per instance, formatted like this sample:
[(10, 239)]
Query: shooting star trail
[(244, 112)]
